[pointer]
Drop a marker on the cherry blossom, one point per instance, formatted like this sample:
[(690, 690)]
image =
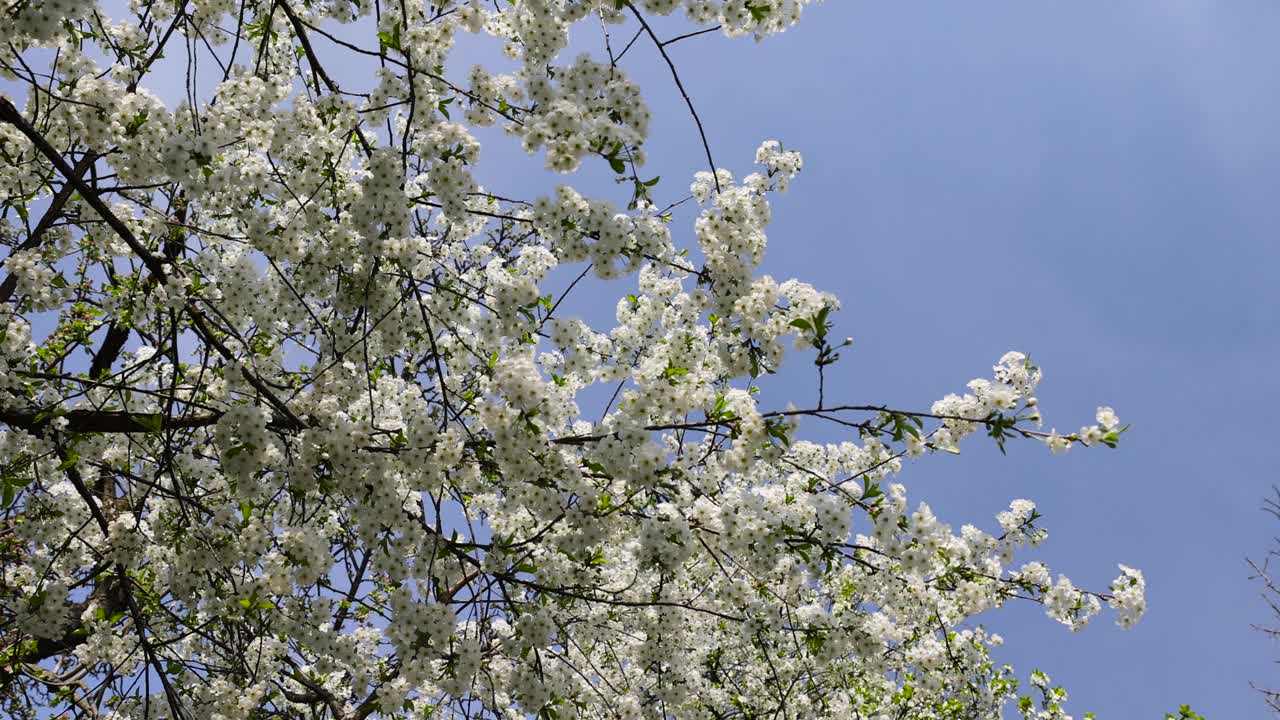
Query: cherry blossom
[(296, 424)]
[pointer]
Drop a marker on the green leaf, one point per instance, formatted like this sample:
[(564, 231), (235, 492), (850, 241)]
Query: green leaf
[(778, 431), (673, 372), (390, 39), (70, 462), (820, 324), (151, 422)]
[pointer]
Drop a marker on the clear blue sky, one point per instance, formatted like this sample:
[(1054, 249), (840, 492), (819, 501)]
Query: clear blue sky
[(1091, 182)]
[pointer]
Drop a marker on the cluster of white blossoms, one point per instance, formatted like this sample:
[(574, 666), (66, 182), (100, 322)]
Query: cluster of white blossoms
[(1128, 596), (42, 20), (299, 422), (16, 348), (584, 107), (34, 278), (618, 242)]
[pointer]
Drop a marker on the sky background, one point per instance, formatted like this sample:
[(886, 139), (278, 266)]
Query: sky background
[(1090, 182)]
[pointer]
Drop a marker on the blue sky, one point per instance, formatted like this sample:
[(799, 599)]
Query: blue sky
[(1090, 182)]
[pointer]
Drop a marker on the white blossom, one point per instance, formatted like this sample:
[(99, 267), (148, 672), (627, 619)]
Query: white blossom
[(298, 421)]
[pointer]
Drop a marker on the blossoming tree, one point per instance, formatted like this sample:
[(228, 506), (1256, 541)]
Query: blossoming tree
[(292, 422)]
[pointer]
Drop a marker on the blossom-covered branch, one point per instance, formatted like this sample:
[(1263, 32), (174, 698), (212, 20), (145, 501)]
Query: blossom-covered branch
[(298, 422)]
